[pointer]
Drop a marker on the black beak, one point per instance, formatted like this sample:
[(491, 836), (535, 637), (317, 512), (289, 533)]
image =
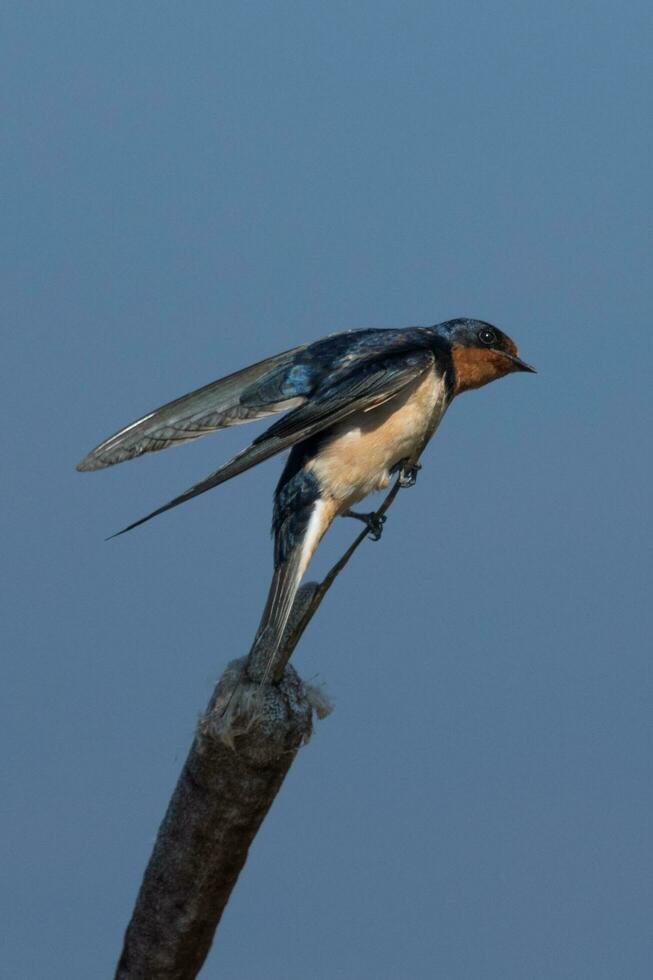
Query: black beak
[(519, 364)]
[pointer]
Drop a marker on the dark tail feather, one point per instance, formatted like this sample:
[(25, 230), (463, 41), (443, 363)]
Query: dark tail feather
[(242, 461), (285, 583)]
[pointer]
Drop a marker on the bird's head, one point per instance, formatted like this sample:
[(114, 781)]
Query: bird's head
[(480, 353)]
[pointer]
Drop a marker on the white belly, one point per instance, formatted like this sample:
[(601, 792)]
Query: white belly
[(360, 453)]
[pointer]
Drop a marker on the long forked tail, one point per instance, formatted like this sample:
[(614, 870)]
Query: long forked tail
[(287, 577)]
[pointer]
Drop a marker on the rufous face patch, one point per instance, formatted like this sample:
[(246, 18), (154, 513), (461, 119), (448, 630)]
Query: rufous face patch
[(476, 366)]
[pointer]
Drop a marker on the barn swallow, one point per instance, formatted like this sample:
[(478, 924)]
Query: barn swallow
[(360, 406)]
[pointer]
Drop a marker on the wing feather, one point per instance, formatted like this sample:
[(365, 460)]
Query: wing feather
[(211, 407), (364, 388)]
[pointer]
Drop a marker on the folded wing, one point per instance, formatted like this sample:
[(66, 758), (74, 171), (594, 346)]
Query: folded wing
[(364, 387)]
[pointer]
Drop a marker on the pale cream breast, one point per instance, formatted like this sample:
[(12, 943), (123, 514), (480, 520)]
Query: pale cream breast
[(358, 456)]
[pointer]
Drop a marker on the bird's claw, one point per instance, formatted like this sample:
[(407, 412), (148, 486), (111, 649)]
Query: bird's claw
[(374, 522), (408, 474)]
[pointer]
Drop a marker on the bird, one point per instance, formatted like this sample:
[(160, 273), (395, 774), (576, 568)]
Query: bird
[(359, 406)]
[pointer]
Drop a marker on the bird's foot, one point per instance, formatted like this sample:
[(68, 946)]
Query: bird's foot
[(374, 522), (408, 474)]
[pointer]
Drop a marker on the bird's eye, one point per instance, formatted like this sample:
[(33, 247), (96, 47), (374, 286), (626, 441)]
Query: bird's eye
[(487, 336)]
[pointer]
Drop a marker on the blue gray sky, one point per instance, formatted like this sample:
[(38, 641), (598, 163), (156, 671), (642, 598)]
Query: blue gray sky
[(191, 187)]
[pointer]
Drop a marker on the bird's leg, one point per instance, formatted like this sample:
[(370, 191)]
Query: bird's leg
[(408, 473), (373, 521)]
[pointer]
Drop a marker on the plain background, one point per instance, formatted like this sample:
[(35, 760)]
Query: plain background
[(189, 187)]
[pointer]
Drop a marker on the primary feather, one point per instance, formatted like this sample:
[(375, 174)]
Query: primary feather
[(222, 403), (360, 387)]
